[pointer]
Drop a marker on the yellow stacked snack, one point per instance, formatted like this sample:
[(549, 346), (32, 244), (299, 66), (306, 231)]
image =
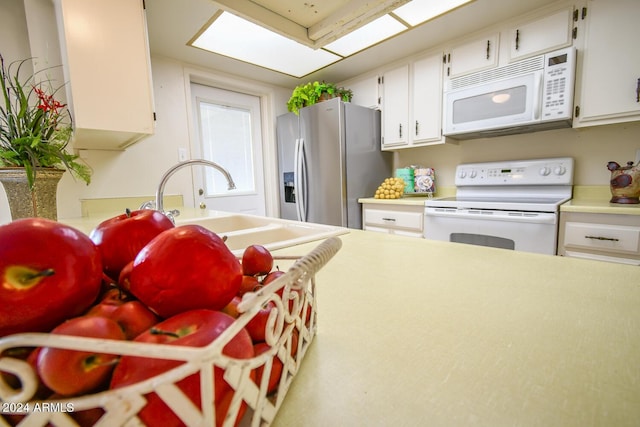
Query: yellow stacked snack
[(391, 188)]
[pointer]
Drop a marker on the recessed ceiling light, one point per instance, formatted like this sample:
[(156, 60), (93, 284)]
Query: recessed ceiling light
[(368, 35), (240, 39), (419, 11)]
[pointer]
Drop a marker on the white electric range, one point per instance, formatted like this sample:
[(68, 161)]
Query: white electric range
[(508, 204)]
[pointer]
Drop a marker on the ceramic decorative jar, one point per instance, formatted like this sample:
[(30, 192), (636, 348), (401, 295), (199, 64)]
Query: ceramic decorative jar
[(625, 183)]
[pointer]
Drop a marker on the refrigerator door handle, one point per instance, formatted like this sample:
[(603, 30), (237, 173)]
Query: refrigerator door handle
[(299, 181)]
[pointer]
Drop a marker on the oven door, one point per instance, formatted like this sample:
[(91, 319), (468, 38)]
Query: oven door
[(515, 230)]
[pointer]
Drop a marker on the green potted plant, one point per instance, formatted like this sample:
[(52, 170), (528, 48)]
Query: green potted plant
[(35, 130), (313, 92)]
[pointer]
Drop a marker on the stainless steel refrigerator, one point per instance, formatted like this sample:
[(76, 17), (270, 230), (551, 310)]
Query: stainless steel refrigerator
[(329, 157)]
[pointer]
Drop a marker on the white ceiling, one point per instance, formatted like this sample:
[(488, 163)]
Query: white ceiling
[(173, 23)]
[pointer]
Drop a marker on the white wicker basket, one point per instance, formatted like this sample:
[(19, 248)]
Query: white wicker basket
[(120, 406)]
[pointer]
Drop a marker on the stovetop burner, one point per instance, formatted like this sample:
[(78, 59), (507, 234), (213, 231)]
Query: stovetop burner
[(516, 204), (520, 200)]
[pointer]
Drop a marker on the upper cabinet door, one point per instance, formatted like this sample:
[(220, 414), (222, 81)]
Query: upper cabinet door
[(541, 35), (365, 92), (395, 106), (426, 123), (107, 64), (609, 89), (475, 55)]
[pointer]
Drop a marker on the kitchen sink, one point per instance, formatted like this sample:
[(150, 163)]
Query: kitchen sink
[(228, 223), (242, 230)]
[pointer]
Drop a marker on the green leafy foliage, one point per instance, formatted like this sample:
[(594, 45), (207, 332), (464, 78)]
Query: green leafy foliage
[(310, 93), (35, 128)]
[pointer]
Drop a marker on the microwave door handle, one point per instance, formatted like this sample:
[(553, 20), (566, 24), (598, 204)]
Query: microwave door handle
[(537, 93)]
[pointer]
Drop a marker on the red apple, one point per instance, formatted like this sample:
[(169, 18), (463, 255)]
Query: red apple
[(87, 417), (276, 368), (49, 272), (101, 309), (124, 281), (195, 328), (271, 277), (185, 268), (115, 296), (120, 238), (134, 318), (256, 261), (232, 308), (295, 338), (249, 284), (108, 302), (29, 355), (71, 372), (257, 326)]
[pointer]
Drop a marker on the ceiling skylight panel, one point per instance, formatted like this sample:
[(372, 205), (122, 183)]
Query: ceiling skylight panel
[(237, 38), (419, 11), (367, 35)]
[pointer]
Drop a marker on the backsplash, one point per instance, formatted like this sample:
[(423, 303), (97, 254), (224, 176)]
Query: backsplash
[(591, 148)]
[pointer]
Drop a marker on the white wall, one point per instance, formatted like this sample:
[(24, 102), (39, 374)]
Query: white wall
[(13, 30), (137, 170)]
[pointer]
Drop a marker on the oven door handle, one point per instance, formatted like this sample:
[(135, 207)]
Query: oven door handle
[(489, 215)]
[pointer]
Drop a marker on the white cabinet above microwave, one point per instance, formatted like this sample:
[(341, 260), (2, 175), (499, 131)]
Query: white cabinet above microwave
[(539, 35)]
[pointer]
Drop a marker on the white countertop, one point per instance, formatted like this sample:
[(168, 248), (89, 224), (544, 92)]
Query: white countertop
[(416, 332), (406, 201), (595, 199)]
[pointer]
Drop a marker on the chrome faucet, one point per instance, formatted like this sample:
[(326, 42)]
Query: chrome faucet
[(163, 181)]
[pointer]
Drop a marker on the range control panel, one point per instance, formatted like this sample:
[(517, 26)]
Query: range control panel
[(555, 171)]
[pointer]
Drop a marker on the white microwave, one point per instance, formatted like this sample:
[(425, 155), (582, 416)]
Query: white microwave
[(525, 96)]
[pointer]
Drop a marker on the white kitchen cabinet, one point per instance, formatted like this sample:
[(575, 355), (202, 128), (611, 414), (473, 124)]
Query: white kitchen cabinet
[(478, 54), (395, 106), (544, 31), (412, 103), (106, 60), (406, 220), (539, 35), (598, 236), (426, 106), (365, 91), (609, 87)]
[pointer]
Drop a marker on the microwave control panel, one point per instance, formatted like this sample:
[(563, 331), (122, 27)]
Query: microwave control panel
[(557, 90)]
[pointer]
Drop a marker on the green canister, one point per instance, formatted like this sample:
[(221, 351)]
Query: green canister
[(407, 175)]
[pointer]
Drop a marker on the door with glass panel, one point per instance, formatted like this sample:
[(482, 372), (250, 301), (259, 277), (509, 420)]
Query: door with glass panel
[(228, 132)]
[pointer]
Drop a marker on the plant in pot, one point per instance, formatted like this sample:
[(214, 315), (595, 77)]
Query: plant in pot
[(313, 92), (35, 130)]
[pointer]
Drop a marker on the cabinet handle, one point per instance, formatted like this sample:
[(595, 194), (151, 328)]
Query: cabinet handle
[(488, 48), (389, 219), (417, 131), (400, 130), (638, 91), (610, 239), (517, 39)]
